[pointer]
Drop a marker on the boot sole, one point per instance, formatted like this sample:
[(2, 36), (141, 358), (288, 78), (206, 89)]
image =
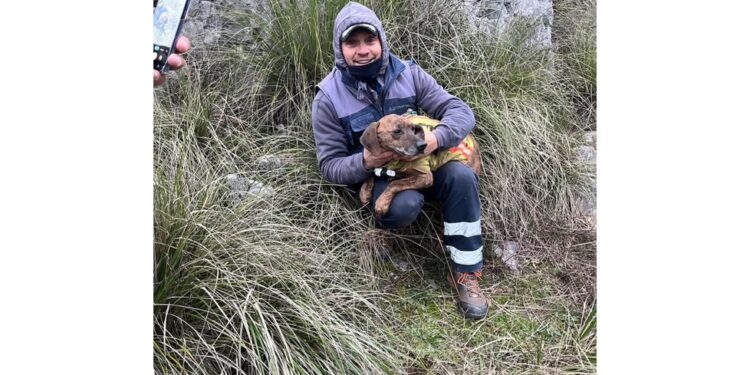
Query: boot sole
[(467, 314)]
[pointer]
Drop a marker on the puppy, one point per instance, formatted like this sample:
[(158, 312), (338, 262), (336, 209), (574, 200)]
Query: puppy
[(404, 135)]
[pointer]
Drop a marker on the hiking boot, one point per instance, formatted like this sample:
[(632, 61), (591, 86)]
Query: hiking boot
[(471, 301)]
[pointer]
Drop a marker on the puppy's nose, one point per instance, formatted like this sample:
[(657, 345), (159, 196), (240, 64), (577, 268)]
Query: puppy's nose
[(421, 146)]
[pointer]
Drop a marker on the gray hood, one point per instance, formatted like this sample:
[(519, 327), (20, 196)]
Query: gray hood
[(353, 13)]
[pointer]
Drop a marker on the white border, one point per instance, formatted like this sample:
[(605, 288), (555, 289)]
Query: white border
[(76, 188)]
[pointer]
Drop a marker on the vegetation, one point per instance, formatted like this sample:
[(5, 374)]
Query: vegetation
[(293, 277)]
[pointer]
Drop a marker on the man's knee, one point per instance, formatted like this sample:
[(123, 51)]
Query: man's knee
[(456, 175), (404, 210)]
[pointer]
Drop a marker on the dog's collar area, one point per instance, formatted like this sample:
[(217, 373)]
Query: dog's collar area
[(380, 172)]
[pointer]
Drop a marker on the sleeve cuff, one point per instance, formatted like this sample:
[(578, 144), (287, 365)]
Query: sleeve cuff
[(362, 168), (441, 136)]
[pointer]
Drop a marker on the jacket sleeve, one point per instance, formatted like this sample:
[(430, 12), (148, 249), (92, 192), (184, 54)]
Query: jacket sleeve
[(456, 118), (334, 161)]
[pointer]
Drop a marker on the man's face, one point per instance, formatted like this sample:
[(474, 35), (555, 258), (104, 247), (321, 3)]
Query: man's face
[(361, 48)]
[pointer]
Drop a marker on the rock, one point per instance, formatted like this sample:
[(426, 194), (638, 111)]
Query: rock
[(235, 182), (401, 264), (585, 208), (586, 154), (492, 10), (259, 190), (433, 285), (589, 138), (494, 16), (243, 187), (507, 252), (206, 26), (584, 202), (201, 25), (269, 162)]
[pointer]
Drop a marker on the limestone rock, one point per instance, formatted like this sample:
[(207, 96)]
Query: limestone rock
[(507, 252), (243, 187), (586, 154), (205, 26), (584, 202), (205, 23), (269, 162), (494, 17)]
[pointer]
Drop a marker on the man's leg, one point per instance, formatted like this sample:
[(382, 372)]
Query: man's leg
[(456, 188), (404, 209)]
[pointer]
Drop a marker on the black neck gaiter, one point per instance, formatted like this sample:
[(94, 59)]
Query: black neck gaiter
[(366, 73)]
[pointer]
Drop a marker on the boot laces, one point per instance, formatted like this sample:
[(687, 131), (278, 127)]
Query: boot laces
[(470, 280)]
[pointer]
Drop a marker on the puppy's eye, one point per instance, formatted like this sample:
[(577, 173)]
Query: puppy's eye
[(397, 131)]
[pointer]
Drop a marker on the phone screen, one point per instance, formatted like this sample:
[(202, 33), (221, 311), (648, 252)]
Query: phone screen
[(168, 17)]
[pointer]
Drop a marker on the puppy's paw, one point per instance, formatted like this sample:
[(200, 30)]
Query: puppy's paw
[(381, 207), (365, 192), (365, 196)]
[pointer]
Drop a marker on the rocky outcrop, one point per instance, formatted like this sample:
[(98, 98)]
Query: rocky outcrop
[(494, 17), (204, 25)]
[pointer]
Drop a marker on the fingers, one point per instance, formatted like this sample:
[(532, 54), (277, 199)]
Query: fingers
[(374, 161), (385, 157), (159, 78), (175, 61), (183, 44)]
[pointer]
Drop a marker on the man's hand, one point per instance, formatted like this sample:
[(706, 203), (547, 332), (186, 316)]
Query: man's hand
[(432, 145), (174, 60), (371, 161)]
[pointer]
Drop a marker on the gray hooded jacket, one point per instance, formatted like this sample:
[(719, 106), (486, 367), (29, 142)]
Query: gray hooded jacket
[(343, 107)]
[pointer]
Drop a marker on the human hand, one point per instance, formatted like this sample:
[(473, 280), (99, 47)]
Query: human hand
[(371, 161), (432, 145), (174, 60)]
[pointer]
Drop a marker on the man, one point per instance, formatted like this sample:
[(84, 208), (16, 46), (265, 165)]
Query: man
[(367, 83)]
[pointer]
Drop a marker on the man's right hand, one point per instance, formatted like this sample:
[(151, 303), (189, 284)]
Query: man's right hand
[(371, 161)]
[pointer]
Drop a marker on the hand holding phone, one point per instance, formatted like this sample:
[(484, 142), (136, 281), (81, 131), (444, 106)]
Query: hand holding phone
[(175, 60), (169, 16)]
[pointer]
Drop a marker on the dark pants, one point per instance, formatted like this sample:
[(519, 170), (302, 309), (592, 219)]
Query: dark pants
[(456, 188)]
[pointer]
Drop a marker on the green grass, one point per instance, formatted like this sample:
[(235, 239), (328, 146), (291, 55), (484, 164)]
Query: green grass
[(532, 326), (299, 279)]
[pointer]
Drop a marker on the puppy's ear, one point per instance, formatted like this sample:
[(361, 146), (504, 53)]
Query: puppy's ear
[(369, 139)]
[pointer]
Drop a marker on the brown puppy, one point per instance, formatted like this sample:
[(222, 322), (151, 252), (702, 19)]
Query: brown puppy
[(404, 135)]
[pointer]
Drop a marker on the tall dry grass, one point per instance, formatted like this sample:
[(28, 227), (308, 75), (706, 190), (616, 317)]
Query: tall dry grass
[(274, 281)]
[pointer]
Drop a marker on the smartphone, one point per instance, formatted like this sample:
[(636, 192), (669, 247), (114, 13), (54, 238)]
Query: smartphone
[(169, 16)]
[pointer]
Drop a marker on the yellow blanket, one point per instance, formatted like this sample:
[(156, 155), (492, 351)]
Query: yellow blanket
[(434, 161)]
